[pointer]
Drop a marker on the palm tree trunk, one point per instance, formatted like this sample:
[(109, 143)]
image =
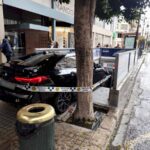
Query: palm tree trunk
[(84, 17)]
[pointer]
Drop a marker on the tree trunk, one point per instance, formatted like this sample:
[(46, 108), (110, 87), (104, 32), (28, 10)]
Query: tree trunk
[(84, 17)]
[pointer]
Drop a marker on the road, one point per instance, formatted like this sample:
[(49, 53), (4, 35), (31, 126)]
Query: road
[(134, 130)]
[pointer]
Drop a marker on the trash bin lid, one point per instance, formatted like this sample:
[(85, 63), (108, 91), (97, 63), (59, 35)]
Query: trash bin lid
[(36, 113)]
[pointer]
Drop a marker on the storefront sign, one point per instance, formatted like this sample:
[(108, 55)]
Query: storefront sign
[(129, 42), (65, 8)]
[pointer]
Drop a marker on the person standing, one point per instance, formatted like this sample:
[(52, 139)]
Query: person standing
[(6, 48), (98, 45), (118, 46), (56, 45)]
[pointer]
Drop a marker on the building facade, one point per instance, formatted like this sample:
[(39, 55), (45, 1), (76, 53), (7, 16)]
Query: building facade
[(33, 23), (124, 29), (121, 29), (102, 33)]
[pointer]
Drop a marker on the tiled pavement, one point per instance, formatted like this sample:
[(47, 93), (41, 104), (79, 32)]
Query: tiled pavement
[(67, 136), (8, 138)]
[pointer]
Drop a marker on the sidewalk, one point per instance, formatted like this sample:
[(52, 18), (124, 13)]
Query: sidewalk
[(70, 137), (134, 128)]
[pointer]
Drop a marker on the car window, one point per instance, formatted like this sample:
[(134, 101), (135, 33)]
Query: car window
[(66, 62)]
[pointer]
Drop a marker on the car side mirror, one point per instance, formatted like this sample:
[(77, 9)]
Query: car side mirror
[(97, 66)]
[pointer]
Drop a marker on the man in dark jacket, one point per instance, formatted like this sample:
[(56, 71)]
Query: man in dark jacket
[(6, 48)]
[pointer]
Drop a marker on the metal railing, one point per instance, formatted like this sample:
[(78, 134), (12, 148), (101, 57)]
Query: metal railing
[(124, 64)]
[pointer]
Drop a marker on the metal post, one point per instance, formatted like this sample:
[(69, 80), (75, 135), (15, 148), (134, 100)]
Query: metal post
[(115, 84), (129, 62), (137, 32), (114, 92), (53, 24), (54, 30)]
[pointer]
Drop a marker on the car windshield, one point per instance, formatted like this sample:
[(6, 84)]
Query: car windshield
[(66, 62)]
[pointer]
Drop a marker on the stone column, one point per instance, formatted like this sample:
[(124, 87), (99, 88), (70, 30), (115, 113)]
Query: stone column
[(2, 30), (53, 24)]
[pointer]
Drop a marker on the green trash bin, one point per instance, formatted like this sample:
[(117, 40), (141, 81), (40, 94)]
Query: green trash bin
[(35, 127)]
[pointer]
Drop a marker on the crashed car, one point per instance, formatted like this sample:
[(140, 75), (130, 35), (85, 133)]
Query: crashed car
[(47, 70)]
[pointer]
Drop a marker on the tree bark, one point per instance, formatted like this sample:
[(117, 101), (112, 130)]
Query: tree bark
[(84, 17)]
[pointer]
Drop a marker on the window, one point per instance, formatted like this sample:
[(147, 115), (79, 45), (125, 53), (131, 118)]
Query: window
[(66, 62), (119, 35)]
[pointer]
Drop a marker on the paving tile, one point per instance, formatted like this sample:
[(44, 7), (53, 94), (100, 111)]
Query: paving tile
[(67, 136), (108, 123)]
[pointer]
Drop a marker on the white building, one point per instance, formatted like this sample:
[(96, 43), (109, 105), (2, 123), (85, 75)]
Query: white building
[(124, 28)]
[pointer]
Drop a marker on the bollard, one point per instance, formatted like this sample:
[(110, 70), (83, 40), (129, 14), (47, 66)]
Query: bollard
[(35, 127)]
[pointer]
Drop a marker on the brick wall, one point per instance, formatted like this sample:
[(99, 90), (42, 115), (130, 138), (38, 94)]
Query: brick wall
[(35, 39)]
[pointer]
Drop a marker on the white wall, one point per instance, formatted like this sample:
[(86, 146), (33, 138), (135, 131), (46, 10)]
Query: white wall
[(43, 2), (102, 36)]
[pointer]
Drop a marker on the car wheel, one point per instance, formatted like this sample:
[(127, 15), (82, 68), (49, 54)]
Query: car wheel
[(63, 101)]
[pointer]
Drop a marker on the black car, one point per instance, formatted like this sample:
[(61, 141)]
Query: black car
[(47, 70)]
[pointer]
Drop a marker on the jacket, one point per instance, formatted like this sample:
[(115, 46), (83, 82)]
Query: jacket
[(6, 47)]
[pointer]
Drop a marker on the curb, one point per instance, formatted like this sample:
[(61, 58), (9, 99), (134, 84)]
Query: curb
[(108, 125), (112, 118), (129, 85)]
